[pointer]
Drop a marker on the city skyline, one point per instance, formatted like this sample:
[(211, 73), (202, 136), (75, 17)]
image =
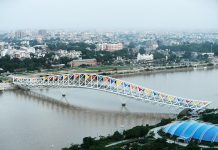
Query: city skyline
[(170, 15)]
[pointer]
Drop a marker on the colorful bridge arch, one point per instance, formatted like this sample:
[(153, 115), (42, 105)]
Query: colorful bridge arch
[(109, 84)]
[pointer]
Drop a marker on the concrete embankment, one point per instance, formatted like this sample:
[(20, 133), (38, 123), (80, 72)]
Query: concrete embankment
[(7, 86), (163, 69)]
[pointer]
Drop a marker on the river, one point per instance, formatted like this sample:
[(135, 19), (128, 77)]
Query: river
[(28, 122)]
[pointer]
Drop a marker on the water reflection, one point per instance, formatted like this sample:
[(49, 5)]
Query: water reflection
[(42, 123), (86, 115)]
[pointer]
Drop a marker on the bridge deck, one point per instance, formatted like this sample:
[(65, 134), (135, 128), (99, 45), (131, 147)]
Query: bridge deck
[(109, 84)]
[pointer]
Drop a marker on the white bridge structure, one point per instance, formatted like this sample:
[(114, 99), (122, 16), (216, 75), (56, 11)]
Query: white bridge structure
[(111, 85)]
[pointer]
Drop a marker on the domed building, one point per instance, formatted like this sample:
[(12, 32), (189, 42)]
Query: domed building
[(193, 130)]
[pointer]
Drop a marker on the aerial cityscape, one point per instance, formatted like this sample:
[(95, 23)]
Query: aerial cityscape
[(113, 75)]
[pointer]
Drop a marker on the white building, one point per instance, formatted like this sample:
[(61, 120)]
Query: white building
[(69, 54), (3, 52), (154, 46), (40, 53), (145, 57), (21, 54), (210, 55), (2, 46), (28, 49), (25, 43)]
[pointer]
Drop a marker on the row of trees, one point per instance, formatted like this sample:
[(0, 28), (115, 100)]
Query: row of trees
[(90, 143), (16, 64), (210, 115), (193, 47), (142, 142), (30, 64)]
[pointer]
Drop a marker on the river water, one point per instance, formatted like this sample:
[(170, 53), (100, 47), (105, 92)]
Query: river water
[(29, 122)]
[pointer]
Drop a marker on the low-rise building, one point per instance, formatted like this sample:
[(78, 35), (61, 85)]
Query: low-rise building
[(21, 54), (109, 47), (69, 54), (145, 57), (3, 52), (58, 66), (210, 55), (28, 49), (88, 62), (40, 53)]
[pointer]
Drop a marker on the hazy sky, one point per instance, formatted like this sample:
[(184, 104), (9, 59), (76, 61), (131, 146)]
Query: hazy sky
[(109, 14)]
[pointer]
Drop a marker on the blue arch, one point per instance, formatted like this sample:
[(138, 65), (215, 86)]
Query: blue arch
[(216, 138), (173, 128), (200, 131), (181, 128), (166, 129), (193, 130), (209, 135), (190, 131)]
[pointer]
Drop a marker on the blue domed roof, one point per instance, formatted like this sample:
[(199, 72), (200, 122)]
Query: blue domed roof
[(193, 130)]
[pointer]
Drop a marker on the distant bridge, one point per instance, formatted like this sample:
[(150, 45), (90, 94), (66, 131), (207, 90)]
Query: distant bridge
[(111, 85)]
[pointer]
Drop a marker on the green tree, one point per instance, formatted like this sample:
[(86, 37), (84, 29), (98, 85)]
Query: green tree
[(87, 142), (192, 146), (72, 147), (135, 132), (158, 55), (117, 136), (187, 55), (134, 146)]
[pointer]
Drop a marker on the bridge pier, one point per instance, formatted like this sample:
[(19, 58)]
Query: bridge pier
[(123, 104)]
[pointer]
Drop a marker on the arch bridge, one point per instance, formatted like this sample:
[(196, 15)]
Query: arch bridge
[(111, 85)]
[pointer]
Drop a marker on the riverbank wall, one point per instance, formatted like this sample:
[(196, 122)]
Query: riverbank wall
[(7, 86)]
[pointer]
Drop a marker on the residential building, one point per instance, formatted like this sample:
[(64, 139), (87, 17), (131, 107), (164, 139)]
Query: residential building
[(145, 57), (69, 54), (210, 55), (21, 54), (42, 32), (3, 52), (19, 34), (28, 49), (109, 47), (1, 45)]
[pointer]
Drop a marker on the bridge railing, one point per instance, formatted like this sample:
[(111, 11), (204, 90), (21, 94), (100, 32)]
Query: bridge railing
[(112, 85)]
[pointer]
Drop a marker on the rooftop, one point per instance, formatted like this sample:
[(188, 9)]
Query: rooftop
[(190, 129)]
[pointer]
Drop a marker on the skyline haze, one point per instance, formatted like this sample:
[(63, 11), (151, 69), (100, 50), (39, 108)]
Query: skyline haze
[(167, 15)]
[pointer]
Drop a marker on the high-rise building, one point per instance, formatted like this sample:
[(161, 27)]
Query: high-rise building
[(1, 46), (19, 34), (42, 32)]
